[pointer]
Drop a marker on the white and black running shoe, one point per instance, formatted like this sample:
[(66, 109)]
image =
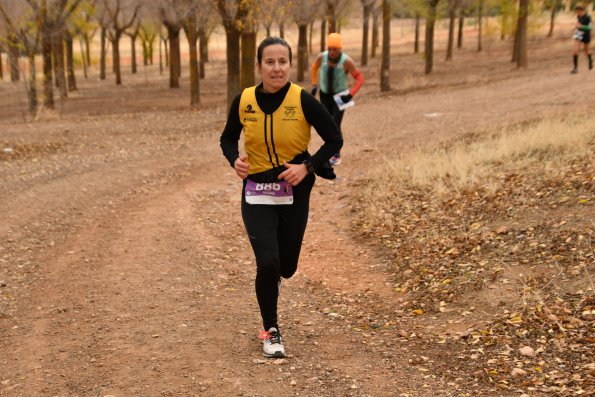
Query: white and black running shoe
[(272, 346)]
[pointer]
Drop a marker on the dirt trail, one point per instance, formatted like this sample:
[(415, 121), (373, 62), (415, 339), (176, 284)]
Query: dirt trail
[(125, 270)]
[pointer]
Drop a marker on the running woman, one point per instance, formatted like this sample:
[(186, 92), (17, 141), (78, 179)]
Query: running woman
[(582, 34), (329, 73), (277, 173)]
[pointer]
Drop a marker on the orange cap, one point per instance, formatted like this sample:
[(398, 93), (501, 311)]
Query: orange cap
[(334, 40)]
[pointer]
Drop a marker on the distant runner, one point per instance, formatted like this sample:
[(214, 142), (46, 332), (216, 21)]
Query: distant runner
[(582, 34), (278, 173), (329, 73)]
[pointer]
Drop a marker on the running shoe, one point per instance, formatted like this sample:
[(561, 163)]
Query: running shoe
[(574, 71), (335, 160), (272, 346)]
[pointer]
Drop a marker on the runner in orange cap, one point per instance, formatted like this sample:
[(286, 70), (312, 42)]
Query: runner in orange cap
[(329, 73)]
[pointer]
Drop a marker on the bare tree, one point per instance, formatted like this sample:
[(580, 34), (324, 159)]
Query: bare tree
[(51, 17), (376, 13), (172, 16), (148, 33), (461, 26), (368, 6), (189, 11), (333, 10), (83, 26), (104, 22), (331, 15), (122, 15), (69, 44), (231, 16), (554, 6), (268, 13), (429, 40), (480, 25), (13, 54), (25, 31), (133, 34), (522, 59), (323, 34), (1, 66), (304, 13), (385, 61), (248, 44), (452, 13), (207, 23), (417, 28)]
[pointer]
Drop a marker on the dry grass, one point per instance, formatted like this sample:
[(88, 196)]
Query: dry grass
[(463, 164)]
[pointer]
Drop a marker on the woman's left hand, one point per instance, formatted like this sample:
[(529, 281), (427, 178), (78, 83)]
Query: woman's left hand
[(294, 173)]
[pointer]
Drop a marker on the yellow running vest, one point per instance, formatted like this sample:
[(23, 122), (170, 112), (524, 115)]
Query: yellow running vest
[(272, 139)]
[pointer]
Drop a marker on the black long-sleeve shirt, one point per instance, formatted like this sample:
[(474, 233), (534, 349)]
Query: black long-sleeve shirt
[(316, 115)]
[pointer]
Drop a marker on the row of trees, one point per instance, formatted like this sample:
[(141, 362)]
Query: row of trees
[(49, 27)]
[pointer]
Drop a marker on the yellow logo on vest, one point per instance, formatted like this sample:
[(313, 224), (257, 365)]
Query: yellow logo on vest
[(289, 114)]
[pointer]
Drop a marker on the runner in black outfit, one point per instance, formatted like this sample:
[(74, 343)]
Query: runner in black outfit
[(582, 34), (276, 117)]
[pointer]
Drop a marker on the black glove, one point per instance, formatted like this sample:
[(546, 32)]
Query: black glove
[(326, 171), (314, 90), (346, 98)]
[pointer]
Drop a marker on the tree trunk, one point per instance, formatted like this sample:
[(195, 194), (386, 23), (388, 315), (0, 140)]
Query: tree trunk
[(46, 51), (461, 27), (452, 11), (13, 57), (302, 66), (151, 50), (310, 37), (323, 35), (480, 25), (515, 47), (202, 40), (166, 49), (385, 61), (88, 49), (282, 29), (1, 66), (375, 33), (192, 37), (59, 66), (32, 92), (522, 60), (417, 23), (70, 61), (145, 52), (553, 18), (268, 30), (194, 75), (233, 63), (174, 57), (429, 41), (116, 56), (160, 57), (248, 54), (366, 33), (102, 54), (84, 58), (331, 14), (133, 53)]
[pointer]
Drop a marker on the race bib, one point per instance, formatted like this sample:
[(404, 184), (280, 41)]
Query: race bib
[(277, 193)]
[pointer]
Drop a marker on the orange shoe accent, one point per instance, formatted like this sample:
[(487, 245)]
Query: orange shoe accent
[(262, 335)]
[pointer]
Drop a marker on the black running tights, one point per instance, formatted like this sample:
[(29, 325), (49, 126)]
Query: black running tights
[(276, 233)]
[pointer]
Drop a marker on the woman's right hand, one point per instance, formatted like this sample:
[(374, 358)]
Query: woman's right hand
[(241, 166)]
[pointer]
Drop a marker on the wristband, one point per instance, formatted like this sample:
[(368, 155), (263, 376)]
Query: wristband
[(308, 165)]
